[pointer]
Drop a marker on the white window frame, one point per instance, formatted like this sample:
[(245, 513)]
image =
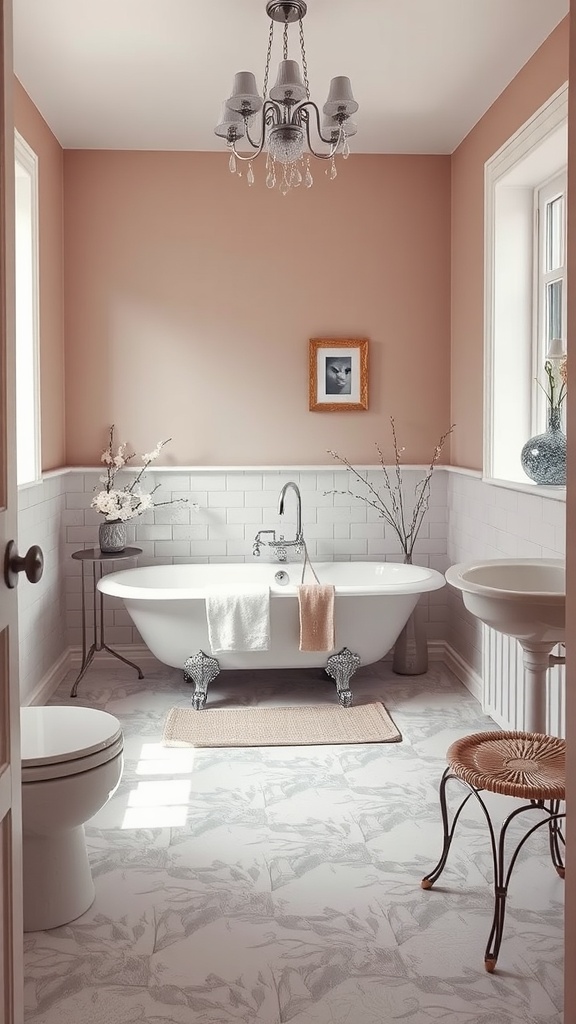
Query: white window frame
[(549, 190), (28, 160), (536, 152)]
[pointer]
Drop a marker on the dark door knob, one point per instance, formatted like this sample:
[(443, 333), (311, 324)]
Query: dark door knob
[(32, 564)]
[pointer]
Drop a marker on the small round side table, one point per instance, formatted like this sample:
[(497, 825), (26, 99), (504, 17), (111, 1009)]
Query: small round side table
[(97, 558)]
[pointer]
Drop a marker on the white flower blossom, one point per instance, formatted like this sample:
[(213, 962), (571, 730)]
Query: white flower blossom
[(145, 502), (150, 456), (129, 501)]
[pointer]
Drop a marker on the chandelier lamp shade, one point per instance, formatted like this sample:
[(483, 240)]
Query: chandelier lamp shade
[(284, 122)]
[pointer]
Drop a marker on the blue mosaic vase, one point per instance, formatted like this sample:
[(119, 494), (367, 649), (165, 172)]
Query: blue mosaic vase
[(544, 456)]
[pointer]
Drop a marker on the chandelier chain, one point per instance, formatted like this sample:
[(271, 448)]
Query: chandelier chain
[(285, 41), (268, 59), (304, 64)]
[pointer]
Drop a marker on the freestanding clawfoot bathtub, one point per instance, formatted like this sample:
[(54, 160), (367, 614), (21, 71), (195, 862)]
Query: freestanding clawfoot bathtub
[(373, 602)]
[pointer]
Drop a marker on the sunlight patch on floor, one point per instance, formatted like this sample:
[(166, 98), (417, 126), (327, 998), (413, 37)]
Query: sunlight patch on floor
[(156, 759), (157, 804)]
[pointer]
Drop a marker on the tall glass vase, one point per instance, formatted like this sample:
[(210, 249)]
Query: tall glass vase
[(410, 656), (543, 457)]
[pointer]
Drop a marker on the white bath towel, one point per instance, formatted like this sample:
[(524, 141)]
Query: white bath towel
[(238, 620)]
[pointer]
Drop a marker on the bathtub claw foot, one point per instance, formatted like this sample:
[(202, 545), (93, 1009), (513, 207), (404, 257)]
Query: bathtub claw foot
[(341, 667), (345, 698), (200, 669)]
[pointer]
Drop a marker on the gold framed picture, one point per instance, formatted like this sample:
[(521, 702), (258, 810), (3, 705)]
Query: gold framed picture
[(338, 374)]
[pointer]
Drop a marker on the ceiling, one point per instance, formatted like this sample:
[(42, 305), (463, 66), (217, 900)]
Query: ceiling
[(151, 74)]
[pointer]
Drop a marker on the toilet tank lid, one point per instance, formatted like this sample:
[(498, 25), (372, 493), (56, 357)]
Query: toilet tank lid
[(58, 733)]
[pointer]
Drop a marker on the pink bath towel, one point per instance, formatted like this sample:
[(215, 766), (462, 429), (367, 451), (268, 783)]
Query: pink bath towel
[(316, 604)]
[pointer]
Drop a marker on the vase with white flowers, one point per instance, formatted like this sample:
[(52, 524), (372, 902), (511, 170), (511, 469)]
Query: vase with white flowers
[(119, 504), (543, 457), (405, 518)]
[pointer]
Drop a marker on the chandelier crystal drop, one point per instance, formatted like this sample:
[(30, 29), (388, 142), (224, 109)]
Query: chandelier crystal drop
[(282, 121)]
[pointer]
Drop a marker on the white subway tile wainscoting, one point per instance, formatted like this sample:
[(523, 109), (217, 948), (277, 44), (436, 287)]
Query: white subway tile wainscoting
[(43, 518), (467, 518), (223, 525)]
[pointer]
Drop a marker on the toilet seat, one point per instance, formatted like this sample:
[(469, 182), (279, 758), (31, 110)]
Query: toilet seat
[(60, 740)]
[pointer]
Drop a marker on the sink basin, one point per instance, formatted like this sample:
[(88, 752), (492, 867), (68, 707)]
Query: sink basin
[(522, 597)]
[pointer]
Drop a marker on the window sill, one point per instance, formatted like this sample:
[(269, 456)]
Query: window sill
[(555, 493)]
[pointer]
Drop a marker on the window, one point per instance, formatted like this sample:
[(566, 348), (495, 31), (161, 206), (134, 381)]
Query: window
[(27, 340), (551, 288), (524, 282)]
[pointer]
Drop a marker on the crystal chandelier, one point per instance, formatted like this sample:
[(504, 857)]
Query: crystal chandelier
[(280, 121)]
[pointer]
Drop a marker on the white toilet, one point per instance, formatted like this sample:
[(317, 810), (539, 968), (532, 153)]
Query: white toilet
[(71, 766)]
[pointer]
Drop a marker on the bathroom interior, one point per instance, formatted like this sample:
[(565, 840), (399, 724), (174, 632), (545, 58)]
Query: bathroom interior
[(282, 883)]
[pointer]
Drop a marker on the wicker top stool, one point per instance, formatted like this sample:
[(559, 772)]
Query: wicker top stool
[(526, 765)]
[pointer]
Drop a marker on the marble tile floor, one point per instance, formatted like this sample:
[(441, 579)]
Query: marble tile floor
[(282, 884)]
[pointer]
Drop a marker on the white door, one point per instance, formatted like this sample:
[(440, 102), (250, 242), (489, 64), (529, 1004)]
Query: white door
[(11, 987)]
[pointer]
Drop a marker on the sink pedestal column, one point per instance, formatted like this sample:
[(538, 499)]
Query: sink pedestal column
[(536, 665)]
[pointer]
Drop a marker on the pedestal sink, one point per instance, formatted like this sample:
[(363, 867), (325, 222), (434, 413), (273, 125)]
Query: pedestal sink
[(524, 598)]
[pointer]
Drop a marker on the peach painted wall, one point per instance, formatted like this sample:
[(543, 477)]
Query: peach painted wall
[(190, 299), (37, 134), (537, 81)]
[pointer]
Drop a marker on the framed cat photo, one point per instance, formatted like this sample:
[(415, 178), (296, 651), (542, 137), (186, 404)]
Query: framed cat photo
[(338, 374)]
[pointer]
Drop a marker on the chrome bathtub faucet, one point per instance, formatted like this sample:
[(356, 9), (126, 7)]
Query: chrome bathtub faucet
[(278, 546), (258, 542), (299, 540), (281, 545)]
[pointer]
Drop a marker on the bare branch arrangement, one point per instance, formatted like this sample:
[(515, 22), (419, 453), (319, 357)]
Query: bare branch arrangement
[(390, 503)]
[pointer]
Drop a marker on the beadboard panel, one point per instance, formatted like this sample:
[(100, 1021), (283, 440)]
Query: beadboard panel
[(489, 521)]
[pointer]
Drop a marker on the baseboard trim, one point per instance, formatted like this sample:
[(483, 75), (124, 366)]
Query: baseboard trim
[(71, 659), (436, 650), (50, 681), (441, 651), (463, 671)]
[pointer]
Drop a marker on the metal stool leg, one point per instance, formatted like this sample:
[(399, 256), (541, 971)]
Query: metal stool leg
[(556, 837), (502, 875), (427, 882), (433, 876), (500, 893), (527, 766)]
